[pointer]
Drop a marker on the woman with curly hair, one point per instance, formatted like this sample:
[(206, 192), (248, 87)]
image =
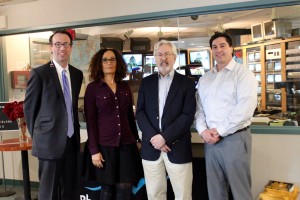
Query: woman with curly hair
[(111, 154)]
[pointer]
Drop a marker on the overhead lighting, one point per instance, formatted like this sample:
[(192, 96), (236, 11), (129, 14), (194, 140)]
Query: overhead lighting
[(160, 33), (128, 34), (209, 32), (221, 28)]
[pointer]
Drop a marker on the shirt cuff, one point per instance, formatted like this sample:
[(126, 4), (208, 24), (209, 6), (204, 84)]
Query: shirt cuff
[(221, 132), (200, 129)]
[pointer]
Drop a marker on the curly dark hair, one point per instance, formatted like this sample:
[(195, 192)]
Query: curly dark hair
[(96, 65)]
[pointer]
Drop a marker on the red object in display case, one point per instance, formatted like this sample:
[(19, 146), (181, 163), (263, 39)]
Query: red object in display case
[(19, 79)]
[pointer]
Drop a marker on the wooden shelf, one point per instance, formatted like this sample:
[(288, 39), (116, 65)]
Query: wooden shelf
[(289, 60)]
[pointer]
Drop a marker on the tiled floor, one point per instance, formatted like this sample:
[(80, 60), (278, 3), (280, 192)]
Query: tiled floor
[(19, 193)]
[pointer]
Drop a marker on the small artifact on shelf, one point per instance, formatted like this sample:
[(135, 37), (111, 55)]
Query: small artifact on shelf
[(278, 190), (280, 185)]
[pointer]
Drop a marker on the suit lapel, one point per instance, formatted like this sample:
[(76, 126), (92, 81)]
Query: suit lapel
[(72, 82), (175, 85), (56, 81), (154, 84)]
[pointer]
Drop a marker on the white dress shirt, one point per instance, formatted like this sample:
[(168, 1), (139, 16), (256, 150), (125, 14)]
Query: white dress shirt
[(164, 84), (226, 99), (59, 70)]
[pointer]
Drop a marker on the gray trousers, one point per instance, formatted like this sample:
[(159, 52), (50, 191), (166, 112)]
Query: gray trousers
[(228, 165)]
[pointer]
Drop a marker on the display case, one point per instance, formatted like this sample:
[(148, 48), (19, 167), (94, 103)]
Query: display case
[(274, 95), (292, 84), (277, 69), (254, 64)]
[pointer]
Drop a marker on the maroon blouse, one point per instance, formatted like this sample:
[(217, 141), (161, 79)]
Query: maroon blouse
[(109, 116)]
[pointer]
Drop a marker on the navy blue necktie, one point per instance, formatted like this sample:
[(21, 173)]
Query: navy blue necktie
[(68, 101)]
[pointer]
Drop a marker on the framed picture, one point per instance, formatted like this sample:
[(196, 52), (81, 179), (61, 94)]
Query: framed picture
[(19, 79), (39, 52)]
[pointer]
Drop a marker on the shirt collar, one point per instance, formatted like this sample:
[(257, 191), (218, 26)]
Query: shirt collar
[(230, 66), (59, 68), (170, 74), (101, 82)]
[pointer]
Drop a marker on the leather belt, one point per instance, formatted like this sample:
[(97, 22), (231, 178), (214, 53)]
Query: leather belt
[(242, 129)]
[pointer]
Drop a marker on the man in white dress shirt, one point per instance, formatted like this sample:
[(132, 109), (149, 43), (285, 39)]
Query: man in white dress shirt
[(226, 100)]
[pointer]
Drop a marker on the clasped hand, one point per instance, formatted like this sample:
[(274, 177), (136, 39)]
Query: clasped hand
[(159, 143), (210, 136)]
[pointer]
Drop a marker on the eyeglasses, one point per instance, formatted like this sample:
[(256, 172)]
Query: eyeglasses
[(167, 55), (105, 60), (58, 44)]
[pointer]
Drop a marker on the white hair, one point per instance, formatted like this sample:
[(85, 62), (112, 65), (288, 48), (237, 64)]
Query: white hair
[(158, 44)]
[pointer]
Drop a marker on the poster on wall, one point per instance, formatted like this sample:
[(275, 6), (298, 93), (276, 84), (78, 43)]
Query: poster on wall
[(83, 51), (5, 123), (40, 53)]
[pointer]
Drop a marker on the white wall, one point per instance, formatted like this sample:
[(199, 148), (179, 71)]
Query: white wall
[(274, 157), (17, 52), (52, 12)]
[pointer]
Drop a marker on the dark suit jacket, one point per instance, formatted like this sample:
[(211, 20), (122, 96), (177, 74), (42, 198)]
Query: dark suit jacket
[(177, 118), (45, 111)]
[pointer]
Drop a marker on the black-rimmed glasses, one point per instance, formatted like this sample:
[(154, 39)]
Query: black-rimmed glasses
[(59, 44), (105, 60)]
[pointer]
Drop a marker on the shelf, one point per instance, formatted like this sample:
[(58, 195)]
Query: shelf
[(295, 59), (273, 71), (274, 104), (293, 67), (278, 74), (293, 95), (292, 75), (292, 52), (293, 81)]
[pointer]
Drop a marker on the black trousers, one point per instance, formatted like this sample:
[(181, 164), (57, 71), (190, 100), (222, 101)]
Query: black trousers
[(59, 177)]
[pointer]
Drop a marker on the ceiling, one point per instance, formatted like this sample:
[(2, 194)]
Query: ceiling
[(9, 2), (194, 31)]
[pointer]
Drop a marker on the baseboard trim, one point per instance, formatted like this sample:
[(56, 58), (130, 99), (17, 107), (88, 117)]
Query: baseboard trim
[(19, 183)]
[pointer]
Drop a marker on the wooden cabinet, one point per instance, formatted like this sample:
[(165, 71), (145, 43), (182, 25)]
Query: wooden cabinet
[(19, 79), (253, 57), (253, 63), (276, 65), (292, 85), (273, 65)]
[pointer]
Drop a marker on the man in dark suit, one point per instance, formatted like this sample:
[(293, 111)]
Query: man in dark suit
[(50, 107), (165, 112)]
